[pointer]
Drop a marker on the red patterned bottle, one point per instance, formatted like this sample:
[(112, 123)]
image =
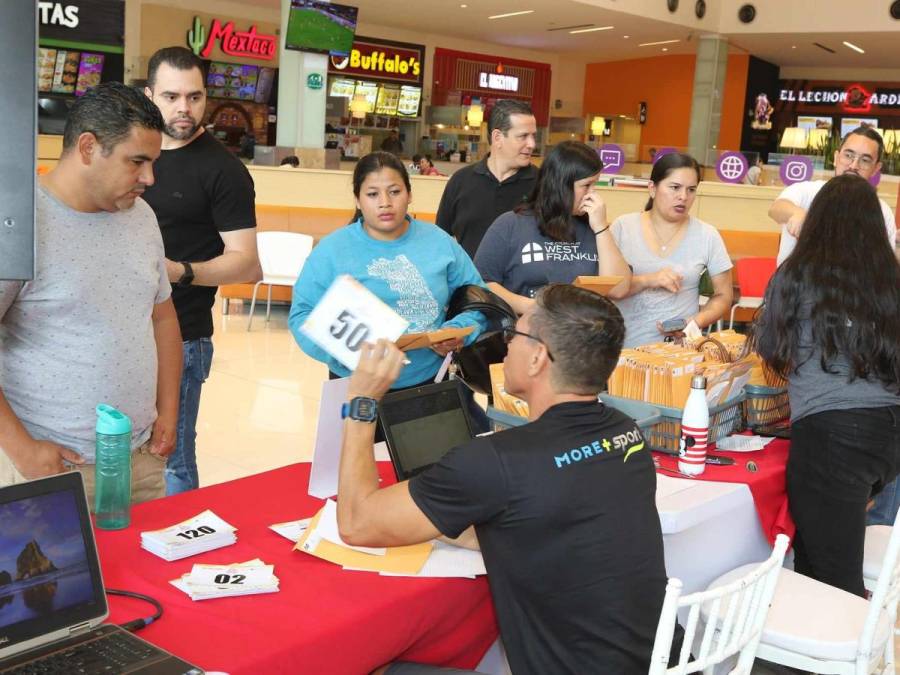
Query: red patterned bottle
[(694, 430)]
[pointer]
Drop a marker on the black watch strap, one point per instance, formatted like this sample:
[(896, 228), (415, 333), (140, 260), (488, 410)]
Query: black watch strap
[(188, 277)]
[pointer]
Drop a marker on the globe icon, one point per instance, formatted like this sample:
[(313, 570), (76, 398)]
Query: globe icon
[(731, 167)]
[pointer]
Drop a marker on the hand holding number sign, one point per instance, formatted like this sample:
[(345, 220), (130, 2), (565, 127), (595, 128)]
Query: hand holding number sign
[(348, 315)]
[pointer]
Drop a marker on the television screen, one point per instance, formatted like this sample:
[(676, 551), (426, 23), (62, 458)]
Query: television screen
[(231, 80), (343, 88), (46, 68), (848, 124), (388, 99), (323, 27), (264, 85), (814, 122), (65, 72), (409, 101), (370, 91), (89, 72)]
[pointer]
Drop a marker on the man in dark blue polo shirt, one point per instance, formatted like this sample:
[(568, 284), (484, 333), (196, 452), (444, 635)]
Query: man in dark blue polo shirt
[(563, 507), (477, 194)]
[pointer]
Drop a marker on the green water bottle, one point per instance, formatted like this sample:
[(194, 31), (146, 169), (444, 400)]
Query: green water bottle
[(112, 470)]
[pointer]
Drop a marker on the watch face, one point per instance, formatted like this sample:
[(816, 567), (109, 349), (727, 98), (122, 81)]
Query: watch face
[(363, 409)]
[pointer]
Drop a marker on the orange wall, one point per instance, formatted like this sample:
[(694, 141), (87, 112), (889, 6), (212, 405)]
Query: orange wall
[(666, 83), (733, 102)]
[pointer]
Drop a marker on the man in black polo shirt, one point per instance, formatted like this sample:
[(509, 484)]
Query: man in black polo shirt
[(563, 507), (204, 202), (477, 194)]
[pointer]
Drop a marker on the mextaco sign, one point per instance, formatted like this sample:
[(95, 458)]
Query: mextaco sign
[(245, 44)]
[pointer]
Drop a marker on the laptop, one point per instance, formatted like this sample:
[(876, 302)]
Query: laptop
[(52, 600), (422, 424)]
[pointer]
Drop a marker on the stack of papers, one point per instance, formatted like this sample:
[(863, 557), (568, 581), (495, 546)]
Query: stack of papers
[(292, 529), (205, 582), (430, 559), (204, 532), (742, 443)]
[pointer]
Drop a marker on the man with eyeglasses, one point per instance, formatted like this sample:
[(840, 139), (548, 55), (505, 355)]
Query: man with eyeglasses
[(860, 153), (563, 507)]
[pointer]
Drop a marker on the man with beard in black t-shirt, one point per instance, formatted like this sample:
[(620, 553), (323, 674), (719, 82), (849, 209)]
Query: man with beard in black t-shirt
[(204, 201), (563, 508)]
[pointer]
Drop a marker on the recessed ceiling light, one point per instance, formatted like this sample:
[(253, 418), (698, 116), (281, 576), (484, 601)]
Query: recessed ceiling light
[(661, 42), (854, 47), (463, 6), (793, 46), (626, 36), (665, 49), (503, 16), (591, 30)]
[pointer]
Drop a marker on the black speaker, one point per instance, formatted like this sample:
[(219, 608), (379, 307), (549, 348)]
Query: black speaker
[(18, 110), (895, 9), (747, 13), (672, 5), (700, 8)]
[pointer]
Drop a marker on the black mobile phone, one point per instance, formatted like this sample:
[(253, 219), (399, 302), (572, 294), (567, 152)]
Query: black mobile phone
[(719, 460), (774, 430), (672, 325)]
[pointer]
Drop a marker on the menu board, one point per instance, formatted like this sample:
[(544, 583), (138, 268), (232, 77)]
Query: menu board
[(343, 88), (65, 72), (89, 72), (264, 85), (814, 122), (848, 124), (388, 99), (370, 91), (409, 101), (46, 67), (231, 80)]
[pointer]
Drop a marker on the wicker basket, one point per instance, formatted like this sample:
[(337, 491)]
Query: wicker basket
[(645, 415), (765, 405), (665, 435)]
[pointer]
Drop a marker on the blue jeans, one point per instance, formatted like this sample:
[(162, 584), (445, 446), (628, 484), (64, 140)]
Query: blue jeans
[(887, 503), (181, 467)]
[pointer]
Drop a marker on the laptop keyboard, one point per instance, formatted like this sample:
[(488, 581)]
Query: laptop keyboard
[(111, 653)]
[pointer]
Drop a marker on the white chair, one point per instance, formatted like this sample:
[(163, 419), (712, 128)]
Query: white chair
[(819, 628), (877, 539), (281, 256), (734, 614)]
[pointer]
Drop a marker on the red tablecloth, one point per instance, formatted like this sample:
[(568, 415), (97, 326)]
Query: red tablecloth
[(323, 620), (767, 484)]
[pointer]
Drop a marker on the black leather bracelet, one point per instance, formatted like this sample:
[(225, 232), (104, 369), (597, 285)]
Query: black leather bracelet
[(601, 231)]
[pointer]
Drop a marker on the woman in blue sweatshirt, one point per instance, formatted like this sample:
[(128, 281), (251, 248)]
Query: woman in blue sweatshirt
[(412, 266)]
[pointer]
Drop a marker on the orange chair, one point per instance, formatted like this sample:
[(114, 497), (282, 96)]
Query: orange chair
[(753, 276)]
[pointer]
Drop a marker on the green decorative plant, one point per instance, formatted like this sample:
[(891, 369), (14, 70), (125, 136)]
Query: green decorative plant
[(829, 148), (197, 36), (890, 163)]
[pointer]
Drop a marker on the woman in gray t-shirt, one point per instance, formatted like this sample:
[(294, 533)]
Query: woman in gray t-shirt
[(668, 250)]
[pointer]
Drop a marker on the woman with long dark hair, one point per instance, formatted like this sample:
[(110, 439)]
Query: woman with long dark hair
[(830, 324), (411, 265), (559, 233), (668, 250)]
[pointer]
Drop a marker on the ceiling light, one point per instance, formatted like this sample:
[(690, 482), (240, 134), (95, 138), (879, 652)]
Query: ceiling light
[(503, 16), (591, 30), (665, 49), (661, 42), (793, 46), (626, 36), (854, 47), (463, 6)]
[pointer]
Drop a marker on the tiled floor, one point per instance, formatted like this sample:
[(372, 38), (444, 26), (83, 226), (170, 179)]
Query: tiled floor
[(261, 402)]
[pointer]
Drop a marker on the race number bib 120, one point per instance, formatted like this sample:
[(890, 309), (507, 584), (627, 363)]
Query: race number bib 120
[(348, 315)]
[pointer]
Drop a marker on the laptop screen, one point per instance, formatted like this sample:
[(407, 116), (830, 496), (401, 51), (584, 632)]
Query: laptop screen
[(49, 574), (422, 424)]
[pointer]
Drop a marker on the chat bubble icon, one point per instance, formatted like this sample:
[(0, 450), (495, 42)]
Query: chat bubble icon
[(611, 157)]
